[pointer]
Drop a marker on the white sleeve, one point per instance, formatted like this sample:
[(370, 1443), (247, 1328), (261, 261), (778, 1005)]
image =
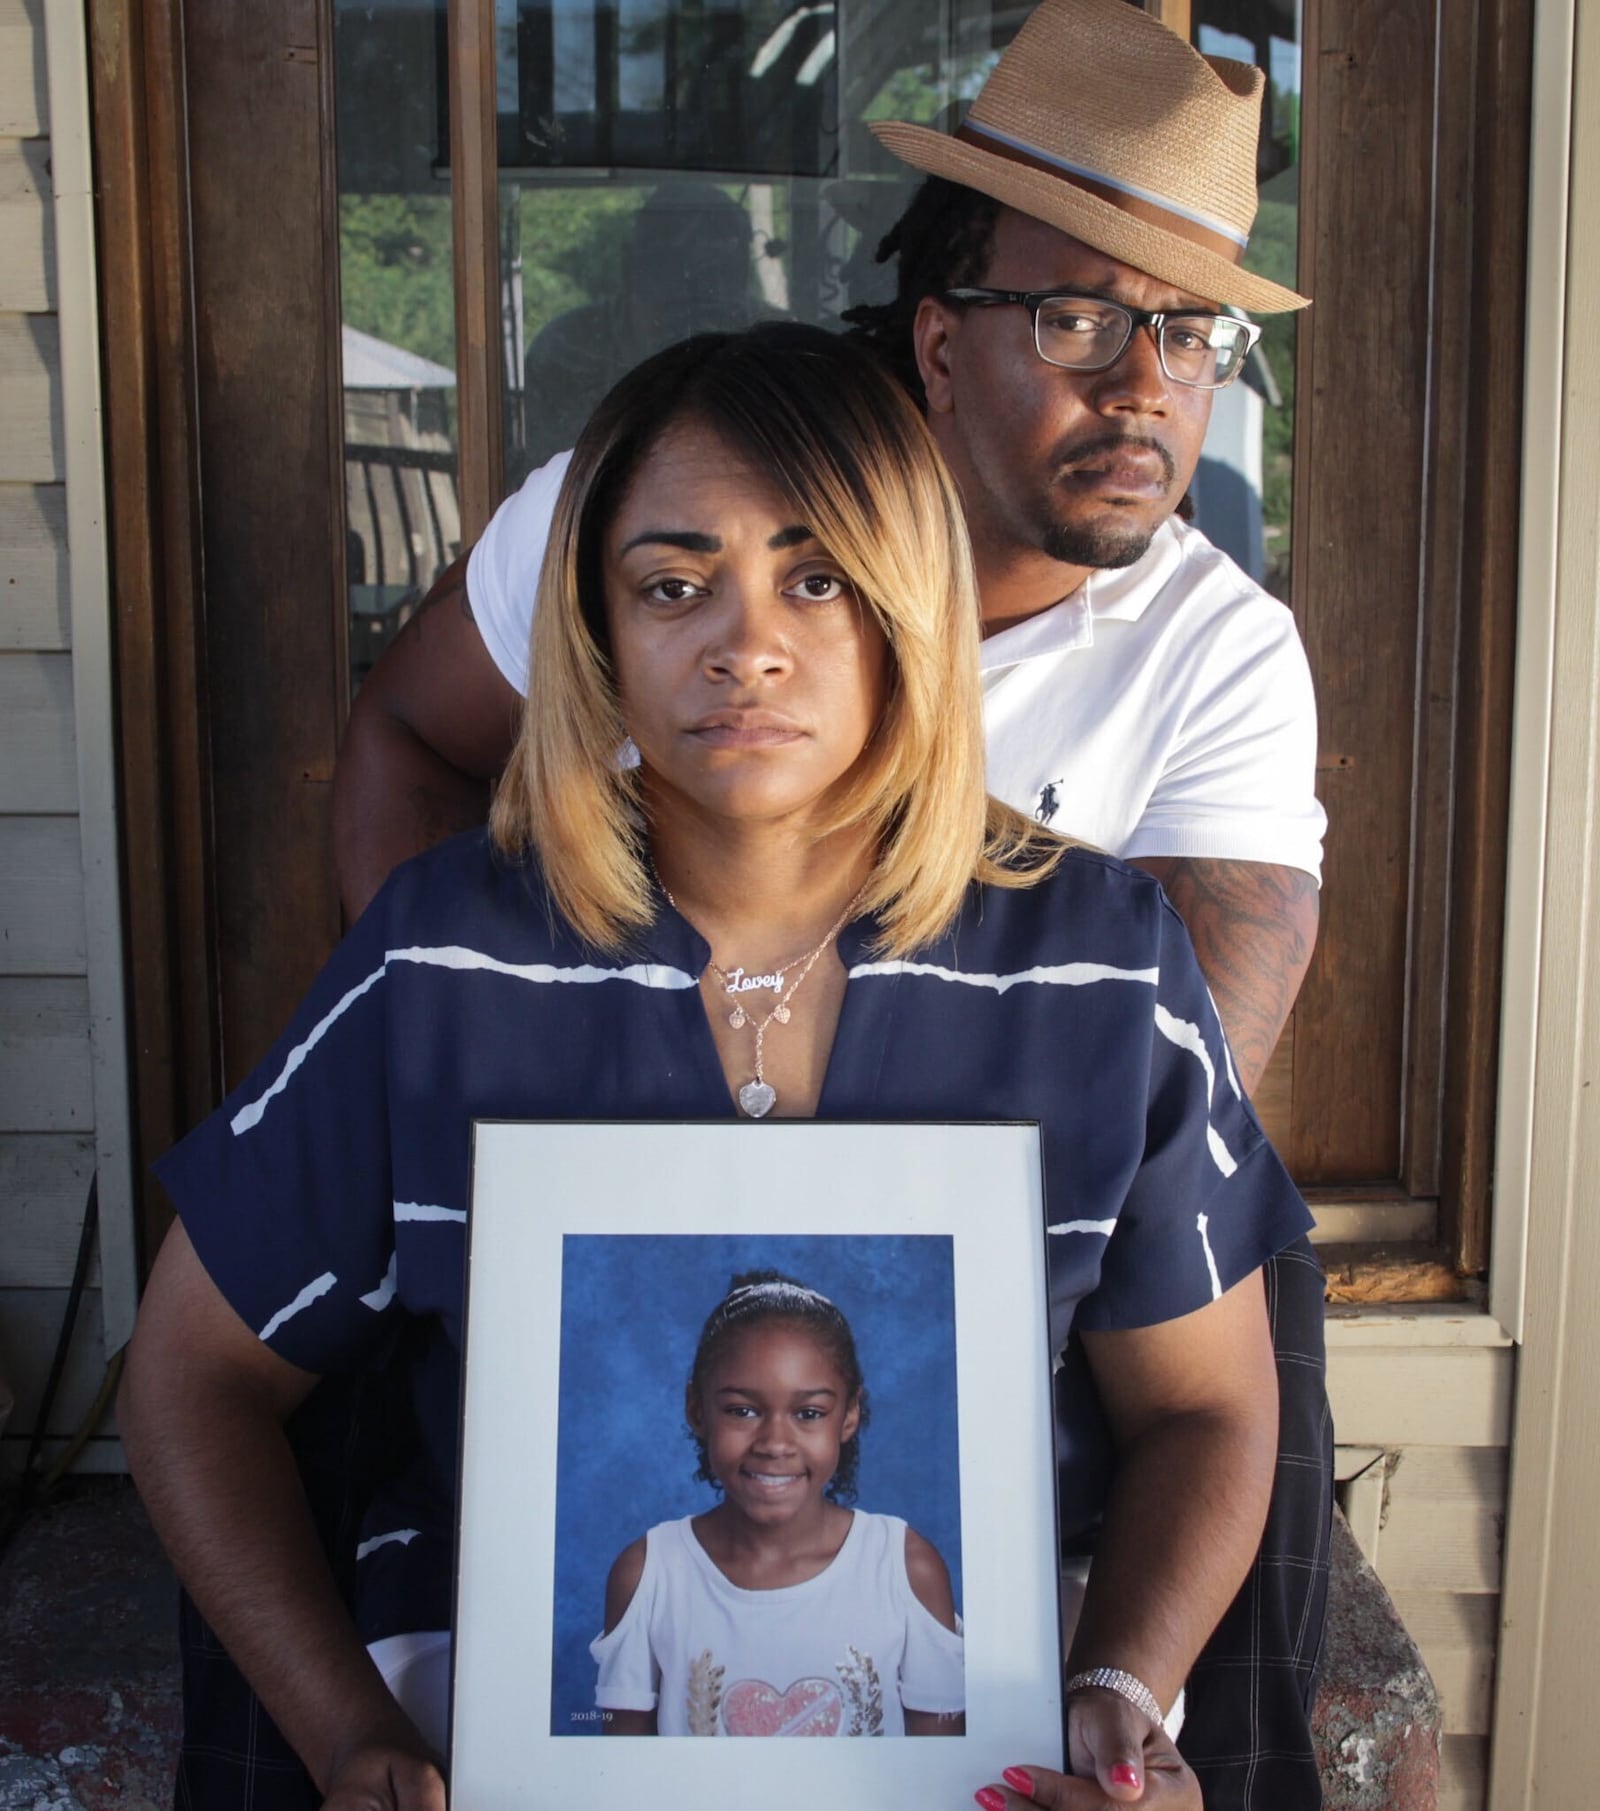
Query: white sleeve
[(503, 569), (933, 1668), (1239, 782), (629, 1678)]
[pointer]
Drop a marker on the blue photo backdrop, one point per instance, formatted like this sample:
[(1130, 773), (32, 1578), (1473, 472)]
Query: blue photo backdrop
[(632, 1306)]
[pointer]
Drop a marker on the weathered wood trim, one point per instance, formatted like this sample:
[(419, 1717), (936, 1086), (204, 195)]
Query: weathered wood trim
[(1450, 374), (266, 369), (1365, 180), (139, 97), (1398, 1273), (1371, 1217), (1486, 678), (475, 202)]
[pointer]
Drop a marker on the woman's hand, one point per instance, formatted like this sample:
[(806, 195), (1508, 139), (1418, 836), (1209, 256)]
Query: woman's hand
[(1113, 1743), (385, 1778), (1119, 1758)]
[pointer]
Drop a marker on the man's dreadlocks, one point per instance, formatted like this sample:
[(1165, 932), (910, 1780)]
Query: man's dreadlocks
[(942, 240)]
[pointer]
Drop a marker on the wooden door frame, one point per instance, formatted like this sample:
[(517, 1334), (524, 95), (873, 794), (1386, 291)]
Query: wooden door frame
[(153, 487), (228, 550)]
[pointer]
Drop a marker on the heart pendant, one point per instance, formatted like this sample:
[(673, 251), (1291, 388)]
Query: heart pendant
[(737, 1019), (757, 1099), (781, 1014)]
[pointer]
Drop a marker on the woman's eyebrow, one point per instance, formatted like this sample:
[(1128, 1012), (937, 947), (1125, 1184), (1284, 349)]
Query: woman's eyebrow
[(790, 537), (686, 538)]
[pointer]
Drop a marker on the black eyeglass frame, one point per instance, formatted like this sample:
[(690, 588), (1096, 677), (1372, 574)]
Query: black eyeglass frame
[(1034, 299)]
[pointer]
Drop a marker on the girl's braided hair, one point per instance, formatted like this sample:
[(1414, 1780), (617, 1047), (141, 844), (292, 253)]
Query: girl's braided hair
[(943, 241), (757, 1296)]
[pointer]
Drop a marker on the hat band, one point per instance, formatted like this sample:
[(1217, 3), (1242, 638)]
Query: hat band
[(1149, 209)]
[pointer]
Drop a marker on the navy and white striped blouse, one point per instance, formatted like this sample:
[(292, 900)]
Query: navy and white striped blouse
[(328, 1195)]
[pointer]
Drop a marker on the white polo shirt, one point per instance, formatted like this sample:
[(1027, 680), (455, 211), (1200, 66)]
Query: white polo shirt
[(1165, 709)]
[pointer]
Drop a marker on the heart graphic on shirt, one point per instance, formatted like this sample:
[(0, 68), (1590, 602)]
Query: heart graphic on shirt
[(810, 1707)]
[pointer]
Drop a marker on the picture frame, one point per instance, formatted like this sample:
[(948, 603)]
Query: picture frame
[(596, 1252)]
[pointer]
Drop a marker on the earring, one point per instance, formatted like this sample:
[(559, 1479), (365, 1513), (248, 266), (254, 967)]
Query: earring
[(628, 756)]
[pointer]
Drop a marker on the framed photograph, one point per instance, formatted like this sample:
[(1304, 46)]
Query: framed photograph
[(757, 1441)]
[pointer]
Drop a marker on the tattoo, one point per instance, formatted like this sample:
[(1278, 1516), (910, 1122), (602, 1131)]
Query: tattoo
[(1253, 927), (450, 586)]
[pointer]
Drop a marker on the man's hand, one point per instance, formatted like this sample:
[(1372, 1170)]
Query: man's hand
[(1163, 1781), (385, 1778), (201, 1414), (1253, 927), (432, 725)]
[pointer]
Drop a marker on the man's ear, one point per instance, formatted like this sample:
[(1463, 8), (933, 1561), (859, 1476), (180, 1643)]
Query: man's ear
[(933, 331)]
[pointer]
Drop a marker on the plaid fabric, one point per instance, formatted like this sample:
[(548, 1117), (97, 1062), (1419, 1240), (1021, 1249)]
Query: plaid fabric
[(346, 1435), (1247, 1724), (232, 1757), (1247, 1727)]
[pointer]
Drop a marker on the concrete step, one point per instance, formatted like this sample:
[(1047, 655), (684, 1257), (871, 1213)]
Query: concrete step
[(89, 1698), (1378, 1721)]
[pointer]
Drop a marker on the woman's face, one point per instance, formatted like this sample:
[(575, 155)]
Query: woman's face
[(749, 673), (773, 1410)]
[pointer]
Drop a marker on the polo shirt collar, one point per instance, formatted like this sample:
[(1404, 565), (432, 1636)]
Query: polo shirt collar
[(1105, 596)]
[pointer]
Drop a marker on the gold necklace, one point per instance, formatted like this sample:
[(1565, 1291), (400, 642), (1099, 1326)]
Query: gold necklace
[(758, 1097)]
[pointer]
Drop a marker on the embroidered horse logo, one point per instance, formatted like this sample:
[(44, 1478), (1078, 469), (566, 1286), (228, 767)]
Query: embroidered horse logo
[(1049, 802)]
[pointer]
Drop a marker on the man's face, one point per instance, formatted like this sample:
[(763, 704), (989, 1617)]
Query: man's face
[(1083, 466)]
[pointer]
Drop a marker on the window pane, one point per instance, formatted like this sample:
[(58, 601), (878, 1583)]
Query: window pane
[(676, 166), (397, 285), (1244, 488)]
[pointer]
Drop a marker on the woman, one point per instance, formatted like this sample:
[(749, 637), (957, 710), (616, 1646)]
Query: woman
[(742, 861)]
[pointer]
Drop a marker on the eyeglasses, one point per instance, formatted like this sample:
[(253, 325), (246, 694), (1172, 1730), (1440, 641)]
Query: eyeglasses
[(1088, 333)]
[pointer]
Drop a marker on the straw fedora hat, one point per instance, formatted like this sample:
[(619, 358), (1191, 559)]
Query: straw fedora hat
[(1102, 122)]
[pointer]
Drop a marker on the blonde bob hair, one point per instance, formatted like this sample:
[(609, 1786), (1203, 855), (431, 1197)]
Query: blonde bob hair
[(839, 438)]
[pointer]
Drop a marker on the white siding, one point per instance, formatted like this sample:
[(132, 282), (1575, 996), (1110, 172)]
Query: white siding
[(1426, 1393), (27, 228), (23, 82), (48, 1132)]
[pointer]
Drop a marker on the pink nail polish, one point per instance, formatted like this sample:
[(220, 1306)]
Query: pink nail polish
[(1019, 1779), (1124, 1775), (990, 1799)]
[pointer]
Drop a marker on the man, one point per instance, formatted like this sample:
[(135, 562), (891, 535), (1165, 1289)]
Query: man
[(1062, 283)]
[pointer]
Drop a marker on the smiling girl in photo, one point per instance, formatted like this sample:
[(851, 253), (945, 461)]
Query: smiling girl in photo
[(782, 1611)]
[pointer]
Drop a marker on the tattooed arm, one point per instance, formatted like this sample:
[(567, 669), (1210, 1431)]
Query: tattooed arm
[(1253, 927), (430, 728)]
